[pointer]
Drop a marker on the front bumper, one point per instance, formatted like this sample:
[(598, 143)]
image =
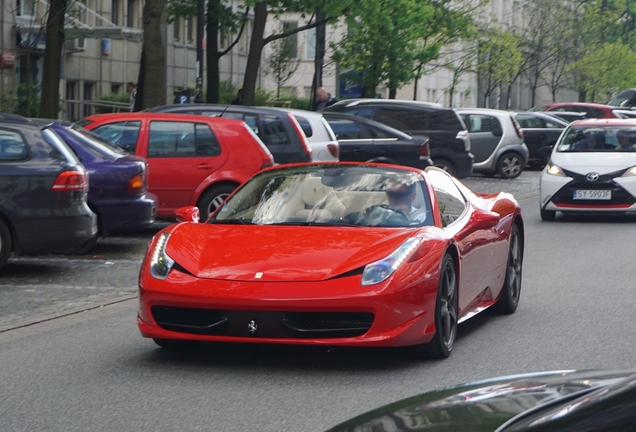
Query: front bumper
[(557, 193), (185, 307)]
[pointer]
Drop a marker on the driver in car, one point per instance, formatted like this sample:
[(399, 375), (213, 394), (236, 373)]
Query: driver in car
[(401, 196)]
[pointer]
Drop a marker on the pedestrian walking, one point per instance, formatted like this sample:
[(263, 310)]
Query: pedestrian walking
[(132, 89), (323, 99)]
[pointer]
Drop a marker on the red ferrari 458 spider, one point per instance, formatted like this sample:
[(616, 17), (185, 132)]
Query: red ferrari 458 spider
[(335, 254)]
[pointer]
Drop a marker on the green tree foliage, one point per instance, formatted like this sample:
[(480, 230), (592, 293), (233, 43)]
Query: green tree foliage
[(607, 70), (388, 41), (499, 60), (282, 62)]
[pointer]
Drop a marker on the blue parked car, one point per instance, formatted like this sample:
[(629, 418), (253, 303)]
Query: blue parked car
[(118, 183)]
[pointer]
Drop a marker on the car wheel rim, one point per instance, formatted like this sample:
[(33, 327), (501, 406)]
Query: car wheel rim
[(511, 166), (514, 267), (216, 202), (448, 308)]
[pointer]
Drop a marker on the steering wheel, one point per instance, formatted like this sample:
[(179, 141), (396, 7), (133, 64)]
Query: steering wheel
[(372, 213)]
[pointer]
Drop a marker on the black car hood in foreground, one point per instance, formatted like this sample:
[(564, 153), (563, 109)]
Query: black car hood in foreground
[(578, 401)]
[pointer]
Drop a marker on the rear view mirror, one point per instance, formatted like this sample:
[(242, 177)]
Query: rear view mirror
[(188, 214)]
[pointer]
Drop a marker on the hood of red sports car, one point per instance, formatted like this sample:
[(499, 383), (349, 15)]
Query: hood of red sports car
[(279, 253)]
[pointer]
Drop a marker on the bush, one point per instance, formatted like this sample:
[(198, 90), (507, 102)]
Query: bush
[(112, 97), (228, 91), (28, 102)]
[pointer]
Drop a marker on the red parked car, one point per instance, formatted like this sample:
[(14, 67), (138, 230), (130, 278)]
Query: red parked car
[(192, 160), (591, 110)]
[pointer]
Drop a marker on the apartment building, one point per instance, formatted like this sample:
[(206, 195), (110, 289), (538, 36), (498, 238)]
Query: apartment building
[(104, 43)]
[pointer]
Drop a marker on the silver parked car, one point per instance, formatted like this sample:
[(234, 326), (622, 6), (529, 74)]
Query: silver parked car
[(496, 141)]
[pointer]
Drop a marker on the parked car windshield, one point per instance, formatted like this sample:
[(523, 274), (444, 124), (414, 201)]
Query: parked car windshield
[(330, 195), (595, 139)]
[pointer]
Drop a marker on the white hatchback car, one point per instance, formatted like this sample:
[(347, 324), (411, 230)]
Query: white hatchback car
[(322, 139), (592, 168)]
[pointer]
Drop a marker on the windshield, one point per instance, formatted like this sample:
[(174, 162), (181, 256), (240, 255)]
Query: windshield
[(598, 139), (351, 195)]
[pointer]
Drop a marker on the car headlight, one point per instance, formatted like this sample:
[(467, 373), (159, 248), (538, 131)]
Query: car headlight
[(161, 263), (379, 271), (555, 170), (630, 172)]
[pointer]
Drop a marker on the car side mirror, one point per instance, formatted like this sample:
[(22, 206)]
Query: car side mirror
[(479, 220), (188, 214)]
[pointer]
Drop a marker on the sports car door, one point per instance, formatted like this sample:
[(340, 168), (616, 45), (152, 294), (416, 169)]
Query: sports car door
[(476, 247)]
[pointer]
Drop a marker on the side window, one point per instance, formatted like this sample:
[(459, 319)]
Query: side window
[(362, 112), (123, 134), (171, 139), (12, 147), (530, 122), (442, 119), (274, 132), (252, 122), (345, 129), (305, 126), (378, 133), (402, 119), (550, 125), (483, 123), (206, 142), (452, 202)]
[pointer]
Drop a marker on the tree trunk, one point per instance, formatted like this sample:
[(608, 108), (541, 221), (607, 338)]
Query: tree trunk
[(152, 71), (254, 56), (213, 57), (392, 92), (50, 102)]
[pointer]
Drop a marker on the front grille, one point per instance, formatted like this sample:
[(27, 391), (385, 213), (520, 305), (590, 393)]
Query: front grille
[(262, 324)]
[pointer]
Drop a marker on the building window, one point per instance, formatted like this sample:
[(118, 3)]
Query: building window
[(114, 88), (131, 13), (244, 43), (291, 42), (25, 7), (191, 25), (71, 106), (177, 29), (88, 96), (311, 43), (115, 12)]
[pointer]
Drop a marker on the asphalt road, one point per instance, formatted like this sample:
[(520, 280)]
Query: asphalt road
[(90, 369)]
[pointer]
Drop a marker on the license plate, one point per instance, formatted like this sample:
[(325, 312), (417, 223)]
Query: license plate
[(593, 194)]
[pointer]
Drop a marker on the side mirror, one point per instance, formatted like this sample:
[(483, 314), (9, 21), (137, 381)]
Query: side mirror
[(479, 220), (188, 214)]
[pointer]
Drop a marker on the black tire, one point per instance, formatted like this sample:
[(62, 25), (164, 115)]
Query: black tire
[(511, 291), (510, 165), (176, 344), (446, 165), (446, 314), (212, 198), (548, 215), (5, 243)]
